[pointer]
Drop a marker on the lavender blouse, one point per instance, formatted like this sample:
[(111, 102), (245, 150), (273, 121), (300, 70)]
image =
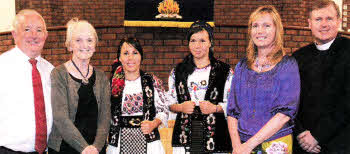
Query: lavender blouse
[(256, 97)]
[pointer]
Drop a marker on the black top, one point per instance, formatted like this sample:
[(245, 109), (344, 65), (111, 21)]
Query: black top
[(87, 113), (325, 94)]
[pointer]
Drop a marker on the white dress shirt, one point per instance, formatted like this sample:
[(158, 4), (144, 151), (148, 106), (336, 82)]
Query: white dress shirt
[(17, 113)]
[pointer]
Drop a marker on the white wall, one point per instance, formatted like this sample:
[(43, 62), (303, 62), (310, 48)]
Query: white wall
[(7, 14), (340, 4)]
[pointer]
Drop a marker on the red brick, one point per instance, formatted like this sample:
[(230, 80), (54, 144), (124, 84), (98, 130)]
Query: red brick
[(309, 39), (3, 48), (221, 48), (243, 30), (291, 44), (241, 49), (59, 51), (226, 29), (242, 42), (147, 48), (299, 38), (148, 61), (3, 37), (307, 33), (102, 43), (157, 67), (172, 42), (108, 36), (164, 61), (106, 62), (146, 36), (182, 48), (116, 30), (99, 55), (157, 42), (7, 42), (172, 55), (149, 55), (287, 38), (236, 36), (228, 42), (220, 36), (292, 32), (185, 42), (163, 49)]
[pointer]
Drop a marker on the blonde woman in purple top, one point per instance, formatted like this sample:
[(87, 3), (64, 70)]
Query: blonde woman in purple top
[(265, 90)]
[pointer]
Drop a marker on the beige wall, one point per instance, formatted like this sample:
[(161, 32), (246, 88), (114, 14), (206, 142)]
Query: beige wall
[(8, 12), (340, 4)]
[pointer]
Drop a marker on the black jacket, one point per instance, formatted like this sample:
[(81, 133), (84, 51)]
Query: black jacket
[(325, 95)]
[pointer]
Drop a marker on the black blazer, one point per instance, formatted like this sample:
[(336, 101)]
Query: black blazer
[(325, 95)]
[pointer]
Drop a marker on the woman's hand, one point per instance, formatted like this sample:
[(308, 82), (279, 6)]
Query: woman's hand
[(148, 126), (188, 107), (90, 150), (242, 149), (207, 107)]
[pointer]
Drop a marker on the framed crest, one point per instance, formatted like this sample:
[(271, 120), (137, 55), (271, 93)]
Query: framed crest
[(167, 13)]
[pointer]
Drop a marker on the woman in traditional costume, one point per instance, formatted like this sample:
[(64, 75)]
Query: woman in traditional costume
[(137, 104), (198, 87)]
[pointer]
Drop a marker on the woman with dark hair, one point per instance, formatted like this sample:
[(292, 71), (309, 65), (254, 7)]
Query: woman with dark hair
[(197, 91), (137, 104), (264, 95)]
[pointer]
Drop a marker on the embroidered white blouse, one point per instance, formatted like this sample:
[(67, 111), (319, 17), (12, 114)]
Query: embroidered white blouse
[(132, 101), (197, 84)]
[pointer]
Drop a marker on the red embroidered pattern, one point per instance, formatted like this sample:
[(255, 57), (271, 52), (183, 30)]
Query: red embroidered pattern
[(133, 103), (118, 82)]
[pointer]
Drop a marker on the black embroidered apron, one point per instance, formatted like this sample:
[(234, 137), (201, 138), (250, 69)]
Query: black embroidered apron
[(197, 132)]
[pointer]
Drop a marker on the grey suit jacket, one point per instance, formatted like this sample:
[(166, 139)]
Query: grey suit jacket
[(64, 99)]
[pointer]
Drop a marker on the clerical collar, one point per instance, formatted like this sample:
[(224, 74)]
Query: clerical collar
[(324, 46)]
